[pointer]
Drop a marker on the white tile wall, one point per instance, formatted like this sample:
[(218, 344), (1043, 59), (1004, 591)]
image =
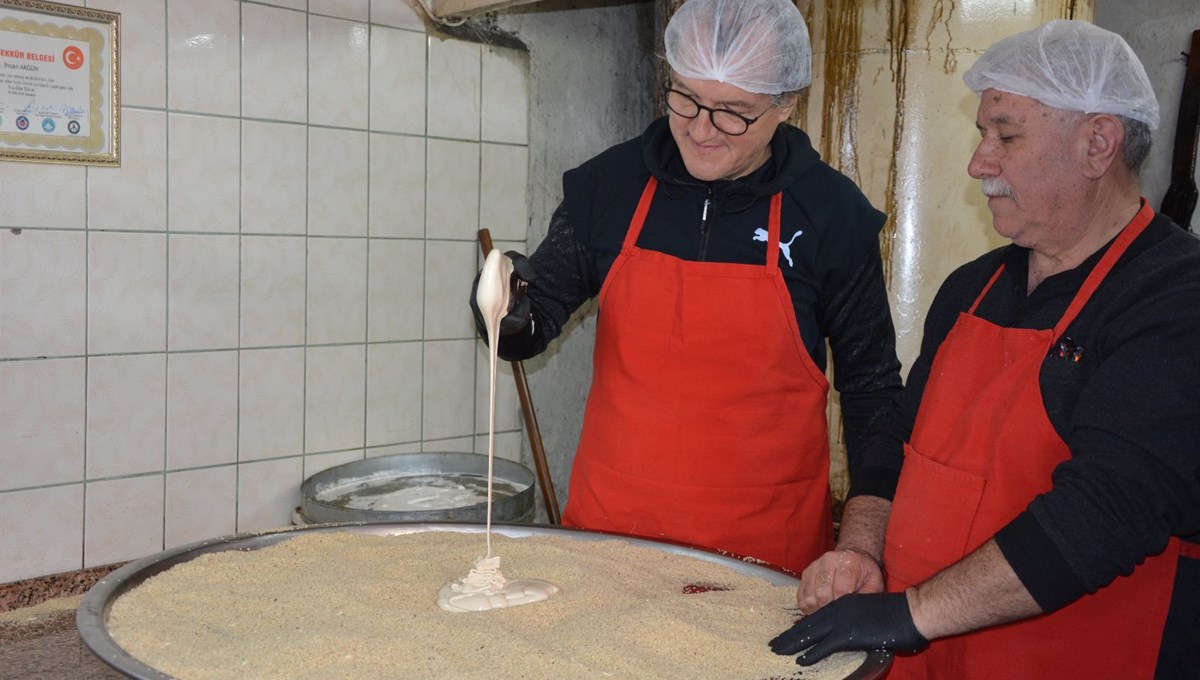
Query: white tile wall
[(339, 56), (393, 399), (395, 298), (274, 81), (202, 173), (43, 532), (42, 416), (203, 55), (359, 10), (398, 13), (270, 403), (123, 519), (202, 291), (337, 163), (40, 271), (143, 52), (452, 189), (133, 196), (200, 504), (51, 197), (127, 292), (448, 399), (505, 96), (274, 182), (335, 402), (337, 290), (126, 414), (502, 199), (273, 281), (455, 71), (397, 204), (202, 409), (397, 94), (273, 300), (268, 492)]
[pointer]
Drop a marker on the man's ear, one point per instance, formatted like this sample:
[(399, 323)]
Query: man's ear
[(1104, 136), (788, 108)]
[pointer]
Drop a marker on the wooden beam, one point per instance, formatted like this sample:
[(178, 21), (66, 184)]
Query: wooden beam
[(457, 9)]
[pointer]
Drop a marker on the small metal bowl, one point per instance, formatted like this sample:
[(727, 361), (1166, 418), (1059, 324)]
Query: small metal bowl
[(319, 506)]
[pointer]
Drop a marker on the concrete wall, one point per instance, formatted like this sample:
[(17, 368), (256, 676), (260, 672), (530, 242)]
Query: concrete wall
[(591, 78), (1160, 31)]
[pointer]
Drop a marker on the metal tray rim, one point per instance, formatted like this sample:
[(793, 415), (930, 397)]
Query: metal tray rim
[(91, 618)]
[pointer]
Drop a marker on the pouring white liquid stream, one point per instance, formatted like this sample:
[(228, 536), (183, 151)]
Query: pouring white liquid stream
[(485, 587)]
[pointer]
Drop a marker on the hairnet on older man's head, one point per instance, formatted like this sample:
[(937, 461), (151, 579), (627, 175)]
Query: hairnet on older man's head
[(760, 46), (1072, 65)]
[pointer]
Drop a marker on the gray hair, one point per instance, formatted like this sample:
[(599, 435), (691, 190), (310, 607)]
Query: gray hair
[(783, 97), (1137, 143)]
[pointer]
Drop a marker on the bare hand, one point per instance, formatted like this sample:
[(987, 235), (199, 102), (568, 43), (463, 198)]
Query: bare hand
[(837, 573)]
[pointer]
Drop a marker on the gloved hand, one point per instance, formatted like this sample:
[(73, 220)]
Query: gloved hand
[(854, 622), (519, 309)]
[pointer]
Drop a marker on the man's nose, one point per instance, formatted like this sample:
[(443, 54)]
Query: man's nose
[(981, 164), (702, 126)]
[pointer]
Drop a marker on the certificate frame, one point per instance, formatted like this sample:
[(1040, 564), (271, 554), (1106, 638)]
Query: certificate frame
[(60, 95)]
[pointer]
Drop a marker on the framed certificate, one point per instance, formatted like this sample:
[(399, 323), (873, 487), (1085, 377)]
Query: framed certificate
[(59, 83)]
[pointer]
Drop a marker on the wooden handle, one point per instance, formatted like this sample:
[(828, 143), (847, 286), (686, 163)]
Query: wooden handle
[(531, 424)]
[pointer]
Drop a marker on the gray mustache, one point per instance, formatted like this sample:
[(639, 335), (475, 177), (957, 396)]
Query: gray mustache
[(992, 186)]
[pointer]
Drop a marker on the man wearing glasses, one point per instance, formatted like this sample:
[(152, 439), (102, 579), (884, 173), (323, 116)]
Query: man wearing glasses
[(725, 254)]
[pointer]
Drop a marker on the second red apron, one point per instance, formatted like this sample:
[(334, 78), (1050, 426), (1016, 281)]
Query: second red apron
[(982, 448), (705, 423)]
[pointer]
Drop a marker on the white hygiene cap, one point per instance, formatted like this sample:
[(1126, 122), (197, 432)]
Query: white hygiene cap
[(760, 46), (1071, 65)]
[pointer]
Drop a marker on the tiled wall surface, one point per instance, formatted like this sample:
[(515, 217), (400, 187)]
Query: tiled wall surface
[(273, 282)]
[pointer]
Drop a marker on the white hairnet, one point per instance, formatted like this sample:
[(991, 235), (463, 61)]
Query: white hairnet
[(760, 46), (1071, 65)]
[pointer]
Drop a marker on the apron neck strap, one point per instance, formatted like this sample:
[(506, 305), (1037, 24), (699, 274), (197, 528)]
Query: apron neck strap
[(773, 228), (986, 288), (643, 209), (639, 215), (1131, 231)]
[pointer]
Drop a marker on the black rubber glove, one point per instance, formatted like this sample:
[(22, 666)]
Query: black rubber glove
[(519, 309), (853, 622)]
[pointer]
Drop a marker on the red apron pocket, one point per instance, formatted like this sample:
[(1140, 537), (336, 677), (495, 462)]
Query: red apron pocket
[(931, 518)]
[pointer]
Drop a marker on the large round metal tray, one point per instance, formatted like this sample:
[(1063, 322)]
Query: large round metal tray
[(515, 508), (92, 616)]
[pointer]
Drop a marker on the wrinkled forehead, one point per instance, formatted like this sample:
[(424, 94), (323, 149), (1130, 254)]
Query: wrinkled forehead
[(999, 106)]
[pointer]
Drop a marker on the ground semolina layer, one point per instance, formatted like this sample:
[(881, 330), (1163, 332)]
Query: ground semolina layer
[(346, 605)]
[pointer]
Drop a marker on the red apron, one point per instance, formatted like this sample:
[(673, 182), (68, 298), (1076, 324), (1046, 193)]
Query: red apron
[(982, 448), (705, 423)]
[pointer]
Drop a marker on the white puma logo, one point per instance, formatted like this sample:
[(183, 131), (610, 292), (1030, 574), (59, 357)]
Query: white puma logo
[(761, 235)]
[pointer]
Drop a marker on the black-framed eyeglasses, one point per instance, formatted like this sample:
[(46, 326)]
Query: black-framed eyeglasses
[(729, 122)]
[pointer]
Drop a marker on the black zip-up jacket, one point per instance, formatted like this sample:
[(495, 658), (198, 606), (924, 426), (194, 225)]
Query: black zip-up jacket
[(831, 264)]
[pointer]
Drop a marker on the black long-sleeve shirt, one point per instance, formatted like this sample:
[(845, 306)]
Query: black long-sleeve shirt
[(1129, 410), (832, 266)]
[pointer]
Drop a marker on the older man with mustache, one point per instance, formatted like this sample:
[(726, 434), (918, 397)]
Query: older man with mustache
[(1040, 483)]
